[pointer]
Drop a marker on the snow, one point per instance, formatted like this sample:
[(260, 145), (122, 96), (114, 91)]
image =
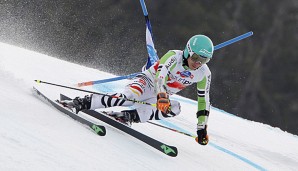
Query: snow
[(35, 136)]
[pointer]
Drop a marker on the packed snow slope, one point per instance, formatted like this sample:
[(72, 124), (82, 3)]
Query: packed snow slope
[(35, 136)]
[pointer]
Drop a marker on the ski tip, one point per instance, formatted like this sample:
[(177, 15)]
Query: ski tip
[(169, 150), (99, 130), (103, 133)]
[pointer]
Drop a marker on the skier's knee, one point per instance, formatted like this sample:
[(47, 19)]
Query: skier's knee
[(175, 108)]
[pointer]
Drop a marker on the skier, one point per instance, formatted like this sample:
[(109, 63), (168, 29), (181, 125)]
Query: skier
[(175, 71)]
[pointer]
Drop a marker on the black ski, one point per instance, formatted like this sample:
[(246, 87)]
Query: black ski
[(166, 149), (98, 129)]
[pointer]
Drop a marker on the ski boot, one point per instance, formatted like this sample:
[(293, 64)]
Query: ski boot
[(126, 117), (78, 103)]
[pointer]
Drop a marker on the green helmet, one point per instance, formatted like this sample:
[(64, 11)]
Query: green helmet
[(200, 45)]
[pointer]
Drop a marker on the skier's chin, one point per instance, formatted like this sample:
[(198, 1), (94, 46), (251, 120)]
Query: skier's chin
[(194, 67)]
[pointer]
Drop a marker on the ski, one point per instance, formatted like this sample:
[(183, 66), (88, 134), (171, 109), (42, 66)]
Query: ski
[(166, 149), (98, 129)]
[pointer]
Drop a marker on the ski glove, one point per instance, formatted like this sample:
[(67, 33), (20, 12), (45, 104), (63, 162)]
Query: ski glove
[(202, 137), (163, 103)]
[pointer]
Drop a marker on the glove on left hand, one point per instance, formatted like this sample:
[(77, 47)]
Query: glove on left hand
[(202, 137), (163, 103)]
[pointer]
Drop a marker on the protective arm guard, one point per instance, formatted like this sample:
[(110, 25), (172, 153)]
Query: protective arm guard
[(166, 64), (202, 117), (203, 88)]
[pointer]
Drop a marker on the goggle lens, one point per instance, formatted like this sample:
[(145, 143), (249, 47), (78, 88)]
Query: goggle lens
[(199, 58)]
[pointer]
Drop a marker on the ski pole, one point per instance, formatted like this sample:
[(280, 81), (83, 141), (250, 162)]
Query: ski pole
[(112, 96), (175, 130)]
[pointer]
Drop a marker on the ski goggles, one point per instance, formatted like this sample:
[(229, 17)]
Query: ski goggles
[(199, 58)]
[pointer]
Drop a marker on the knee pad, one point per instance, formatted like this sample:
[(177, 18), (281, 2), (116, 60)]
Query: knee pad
[(175, 107)]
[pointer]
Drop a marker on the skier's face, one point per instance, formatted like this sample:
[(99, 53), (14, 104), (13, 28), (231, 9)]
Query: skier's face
[(197, 60), (192, 64)]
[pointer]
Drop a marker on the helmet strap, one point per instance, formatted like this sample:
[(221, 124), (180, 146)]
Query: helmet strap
[(185, 62), (184, 57)]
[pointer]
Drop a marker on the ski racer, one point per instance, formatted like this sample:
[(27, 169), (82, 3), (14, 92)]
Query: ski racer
[(175, 71)]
